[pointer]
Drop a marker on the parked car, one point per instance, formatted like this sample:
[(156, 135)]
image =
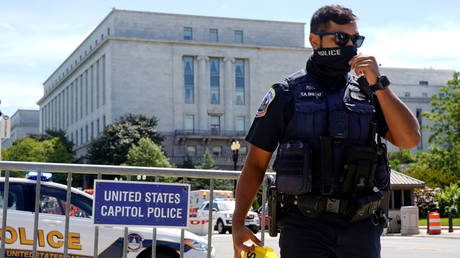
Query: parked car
[(19, 230), (222, 216)]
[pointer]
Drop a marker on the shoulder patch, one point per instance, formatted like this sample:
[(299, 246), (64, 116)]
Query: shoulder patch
[(268, 98)]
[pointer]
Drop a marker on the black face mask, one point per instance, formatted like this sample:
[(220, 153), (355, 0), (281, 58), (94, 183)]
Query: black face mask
[(332, 62)]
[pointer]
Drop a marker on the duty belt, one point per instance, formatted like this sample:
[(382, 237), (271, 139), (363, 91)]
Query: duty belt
[(313, 205)]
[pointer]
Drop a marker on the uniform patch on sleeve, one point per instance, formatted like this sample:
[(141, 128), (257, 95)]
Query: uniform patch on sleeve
[(268, 98)]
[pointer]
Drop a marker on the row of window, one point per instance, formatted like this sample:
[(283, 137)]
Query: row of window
[(216, 151), (424, 94), (214, 35), (88, 133), (84, 95), (77, 61), (214, 123), (215, 84)]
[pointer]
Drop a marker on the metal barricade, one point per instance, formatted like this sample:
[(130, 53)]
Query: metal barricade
[(100, 170)]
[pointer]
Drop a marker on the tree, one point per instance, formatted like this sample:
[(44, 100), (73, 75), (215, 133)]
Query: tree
[(441, 164), (203, 183), (112, 146), (188, 162), (30, 149), (147, 154), (396, 159)]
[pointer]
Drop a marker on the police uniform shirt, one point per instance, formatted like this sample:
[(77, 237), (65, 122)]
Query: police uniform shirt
[(274, 114)]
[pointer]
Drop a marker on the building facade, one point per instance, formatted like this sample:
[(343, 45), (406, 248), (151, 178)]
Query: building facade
[(201, 77), (23, 123), (415, 87)]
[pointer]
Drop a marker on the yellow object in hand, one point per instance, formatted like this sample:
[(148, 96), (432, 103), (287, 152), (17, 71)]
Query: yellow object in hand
[(260, 252)]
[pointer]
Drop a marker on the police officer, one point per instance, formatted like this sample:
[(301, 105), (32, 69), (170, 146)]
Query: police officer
[(331, 166)]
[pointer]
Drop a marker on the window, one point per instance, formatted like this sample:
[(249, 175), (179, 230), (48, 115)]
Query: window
[(423, 83), (215, 80), (216, 151), (406, 94), (239, 124), (53, 201), (15, 197), (76, 138), (243, 150), (86, 134), (103, 122), (81, 136), (191, 151), (189, 123), (188, 35), (424, 94), (214, 124), (188, 80), (214, 206), (92, 130), (98, 128), (419, 116), (213, 35), (239, 82), (238, 36), (441, 94), (407, 198)]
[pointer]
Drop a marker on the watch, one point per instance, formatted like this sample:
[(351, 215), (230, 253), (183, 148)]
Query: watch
[(382, 83)]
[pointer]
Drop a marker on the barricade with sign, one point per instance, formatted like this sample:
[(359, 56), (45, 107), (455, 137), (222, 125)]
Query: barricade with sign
[(140, 204)]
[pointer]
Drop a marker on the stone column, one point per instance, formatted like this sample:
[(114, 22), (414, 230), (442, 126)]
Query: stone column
[(229, 89), (202, 93)]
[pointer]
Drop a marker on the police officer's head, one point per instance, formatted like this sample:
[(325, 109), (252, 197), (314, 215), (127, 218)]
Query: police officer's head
[(334, 26)]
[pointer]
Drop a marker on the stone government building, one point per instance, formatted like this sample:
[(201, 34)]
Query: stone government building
[(202, 77)]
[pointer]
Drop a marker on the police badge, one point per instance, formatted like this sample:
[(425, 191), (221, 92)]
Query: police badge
[(134, 242), (268, 98)]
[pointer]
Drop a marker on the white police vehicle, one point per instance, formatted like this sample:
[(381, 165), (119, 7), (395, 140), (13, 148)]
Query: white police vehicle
[(222, 215), (50, 241)]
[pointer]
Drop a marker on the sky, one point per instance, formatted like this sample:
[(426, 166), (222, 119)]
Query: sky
[(36, 36)]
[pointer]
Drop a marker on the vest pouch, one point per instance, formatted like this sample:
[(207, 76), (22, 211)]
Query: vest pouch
[(360, 166), (293, 168)]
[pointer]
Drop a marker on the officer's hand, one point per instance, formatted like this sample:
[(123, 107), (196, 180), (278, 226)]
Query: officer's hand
[(366, 65), (241, 235)]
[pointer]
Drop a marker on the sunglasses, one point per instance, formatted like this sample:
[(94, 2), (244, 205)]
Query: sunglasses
[(342, 38)]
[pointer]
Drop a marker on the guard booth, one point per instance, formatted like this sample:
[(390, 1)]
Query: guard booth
[(402, 194)]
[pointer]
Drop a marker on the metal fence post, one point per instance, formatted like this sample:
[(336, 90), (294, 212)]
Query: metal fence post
[(264, 200), (67, 213), (6, 191), (125, 238), (210, 228), (36, 212), (96, 231)]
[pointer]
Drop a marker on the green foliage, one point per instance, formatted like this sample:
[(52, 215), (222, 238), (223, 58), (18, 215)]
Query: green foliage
[(147, 154), (402, 157), (202, 183), (114, 143), (449, 200), (33, 150), (437, 168), (188, 163), (441, 164)]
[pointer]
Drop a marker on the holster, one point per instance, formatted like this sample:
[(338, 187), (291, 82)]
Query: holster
[(274, 210)]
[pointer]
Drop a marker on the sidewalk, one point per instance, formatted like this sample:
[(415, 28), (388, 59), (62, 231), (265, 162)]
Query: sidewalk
[(423, 233)]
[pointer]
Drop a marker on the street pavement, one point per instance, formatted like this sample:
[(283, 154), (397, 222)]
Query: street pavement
[(446, 245)]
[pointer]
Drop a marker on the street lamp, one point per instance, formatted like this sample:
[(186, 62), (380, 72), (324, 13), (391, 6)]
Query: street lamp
[(235, 147)]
